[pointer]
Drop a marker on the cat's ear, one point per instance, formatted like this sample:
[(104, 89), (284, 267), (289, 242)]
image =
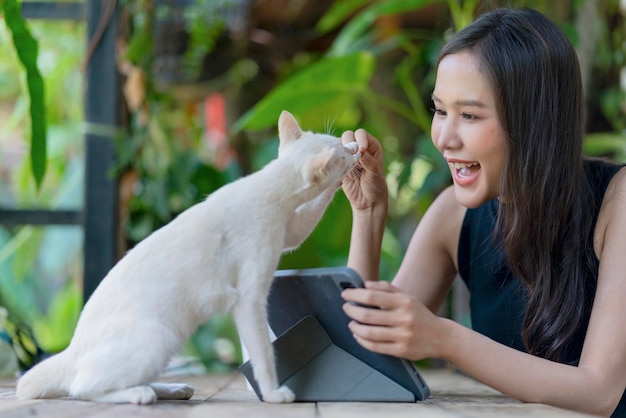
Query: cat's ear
[(318, 165), (288, 129)]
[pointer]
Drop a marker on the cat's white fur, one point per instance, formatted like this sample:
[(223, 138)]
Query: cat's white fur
[(220, 255)]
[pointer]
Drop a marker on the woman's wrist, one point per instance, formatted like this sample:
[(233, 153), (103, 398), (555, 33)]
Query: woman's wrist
[(375, 214), (447, 340), (368, 228)]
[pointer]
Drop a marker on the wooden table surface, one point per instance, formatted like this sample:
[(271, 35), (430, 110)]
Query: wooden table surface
[(452, 395)]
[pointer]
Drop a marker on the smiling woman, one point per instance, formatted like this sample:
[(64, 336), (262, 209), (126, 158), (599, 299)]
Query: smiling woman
[(534, 229), (466, 129)]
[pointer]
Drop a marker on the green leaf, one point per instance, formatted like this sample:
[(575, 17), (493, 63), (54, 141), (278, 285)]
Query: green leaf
[(140, 48), (27, 50), (54, 331), (324, 89), (606, 144), (462, 12), (338, 13), (359, 26)]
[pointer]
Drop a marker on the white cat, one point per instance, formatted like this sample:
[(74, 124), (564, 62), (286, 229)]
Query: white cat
[(218, 256)]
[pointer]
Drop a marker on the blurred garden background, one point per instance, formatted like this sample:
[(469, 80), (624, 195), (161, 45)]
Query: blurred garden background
[(201, 85)]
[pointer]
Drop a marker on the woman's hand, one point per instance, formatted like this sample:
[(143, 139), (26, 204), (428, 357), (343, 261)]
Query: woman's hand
[(365, 185), (401, 327)]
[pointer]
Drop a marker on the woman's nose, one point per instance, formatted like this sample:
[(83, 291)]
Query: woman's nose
[(445, 134)]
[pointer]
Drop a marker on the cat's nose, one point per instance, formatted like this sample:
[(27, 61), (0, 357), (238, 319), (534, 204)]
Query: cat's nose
[(351, 147)]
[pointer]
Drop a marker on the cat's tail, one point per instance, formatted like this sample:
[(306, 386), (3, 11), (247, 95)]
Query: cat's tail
[(47, 379)]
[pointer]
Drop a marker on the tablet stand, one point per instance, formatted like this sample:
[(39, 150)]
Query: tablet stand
[(316, 370)]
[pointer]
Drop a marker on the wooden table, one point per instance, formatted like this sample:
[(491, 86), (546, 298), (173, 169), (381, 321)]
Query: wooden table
[(453, 395)]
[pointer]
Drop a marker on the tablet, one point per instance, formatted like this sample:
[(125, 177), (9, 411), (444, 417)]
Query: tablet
[(298, 295)]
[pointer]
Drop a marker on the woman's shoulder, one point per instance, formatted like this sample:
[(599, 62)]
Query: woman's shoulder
[(446, 216), (613, 208), (618, 181), (446, 206)]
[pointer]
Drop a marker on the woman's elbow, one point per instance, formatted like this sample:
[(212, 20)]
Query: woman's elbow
[(605, 402)]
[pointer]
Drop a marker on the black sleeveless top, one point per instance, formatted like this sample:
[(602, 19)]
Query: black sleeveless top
[(497, 296)]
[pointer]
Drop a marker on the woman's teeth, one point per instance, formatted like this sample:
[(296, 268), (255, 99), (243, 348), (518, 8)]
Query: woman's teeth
[(460, 166)]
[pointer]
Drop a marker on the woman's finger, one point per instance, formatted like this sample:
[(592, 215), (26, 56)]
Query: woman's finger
[(347, 137), (368, 315), (381, 285), (388, 347), (362, 137), (372, 332), (376, 293)]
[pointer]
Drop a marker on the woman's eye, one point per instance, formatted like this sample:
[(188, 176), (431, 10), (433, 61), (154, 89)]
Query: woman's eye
[(437, 111), (467, 116)]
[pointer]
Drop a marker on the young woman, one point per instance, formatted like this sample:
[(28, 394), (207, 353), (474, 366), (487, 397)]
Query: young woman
[(537, 232)]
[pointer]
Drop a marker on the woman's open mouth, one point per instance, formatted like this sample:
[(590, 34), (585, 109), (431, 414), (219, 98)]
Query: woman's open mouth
[(465, 173)]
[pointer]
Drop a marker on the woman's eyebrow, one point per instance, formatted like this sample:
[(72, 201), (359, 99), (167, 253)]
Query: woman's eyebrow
[(474, 103)]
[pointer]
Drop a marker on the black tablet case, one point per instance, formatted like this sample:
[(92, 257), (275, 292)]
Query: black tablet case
[(317, 357)]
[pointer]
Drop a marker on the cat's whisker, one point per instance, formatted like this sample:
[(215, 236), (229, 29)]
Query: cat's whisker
[(328, 126)]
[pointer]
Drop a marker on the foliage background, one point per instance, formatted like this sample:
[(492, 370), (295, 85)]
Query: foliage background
[(335, 65)]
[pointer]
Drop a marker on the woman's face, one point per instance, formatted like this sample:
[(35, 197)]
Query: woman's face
[(466, 129)]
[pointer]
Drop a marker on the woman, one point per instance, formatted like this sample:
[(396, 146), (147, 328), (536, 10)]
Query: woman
[(535, 231)]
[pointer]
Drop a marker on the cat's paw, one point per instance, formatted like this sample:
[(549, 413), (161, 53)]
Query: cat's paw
[(141, 395), (181, 391), (172, 391), (281, 395)]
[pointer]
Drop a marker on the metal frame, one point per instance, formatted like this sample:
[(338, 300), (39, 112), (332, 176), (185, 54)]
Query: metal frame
[(100, 211), (99, 214)]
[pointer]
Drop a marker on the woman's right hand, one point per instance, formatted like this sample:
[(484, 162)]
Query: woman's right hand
[(365, 185)]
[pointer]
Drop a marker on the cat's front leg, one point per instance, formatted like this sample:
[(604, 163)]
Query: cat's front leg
[(139, 395), (305, 219), (250, 318)]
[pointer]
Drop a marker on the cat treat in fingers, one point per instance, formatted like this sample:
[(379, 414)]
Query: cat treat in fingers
[(220, 255)]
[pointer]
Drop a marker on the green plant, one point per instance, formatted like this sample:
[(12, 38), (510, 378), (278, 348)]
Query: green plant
[(41, 267), (26, 48)]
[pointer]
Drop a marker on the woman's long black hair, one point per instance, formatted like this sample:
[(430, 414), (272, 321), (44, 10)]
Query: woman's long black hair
[(545, 216)]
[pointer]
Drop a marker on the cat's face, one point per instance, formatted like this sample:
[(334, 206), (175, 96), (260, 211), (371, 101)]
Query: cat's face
[(324, 159), (329, 160)]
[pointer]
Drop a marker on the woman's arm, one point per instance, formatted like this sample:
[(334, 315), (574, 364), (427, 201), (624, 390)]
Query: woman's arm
[(429, 266), (366, 189), (406, 328)]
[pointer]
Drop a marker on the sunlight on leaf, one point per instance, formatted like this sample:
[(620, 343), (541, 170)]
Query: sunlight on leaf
[(339, 13), (332, 83)]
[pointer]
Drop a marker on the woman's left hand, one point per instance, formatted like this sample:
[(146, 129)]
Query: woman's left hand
[(399, 324)]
